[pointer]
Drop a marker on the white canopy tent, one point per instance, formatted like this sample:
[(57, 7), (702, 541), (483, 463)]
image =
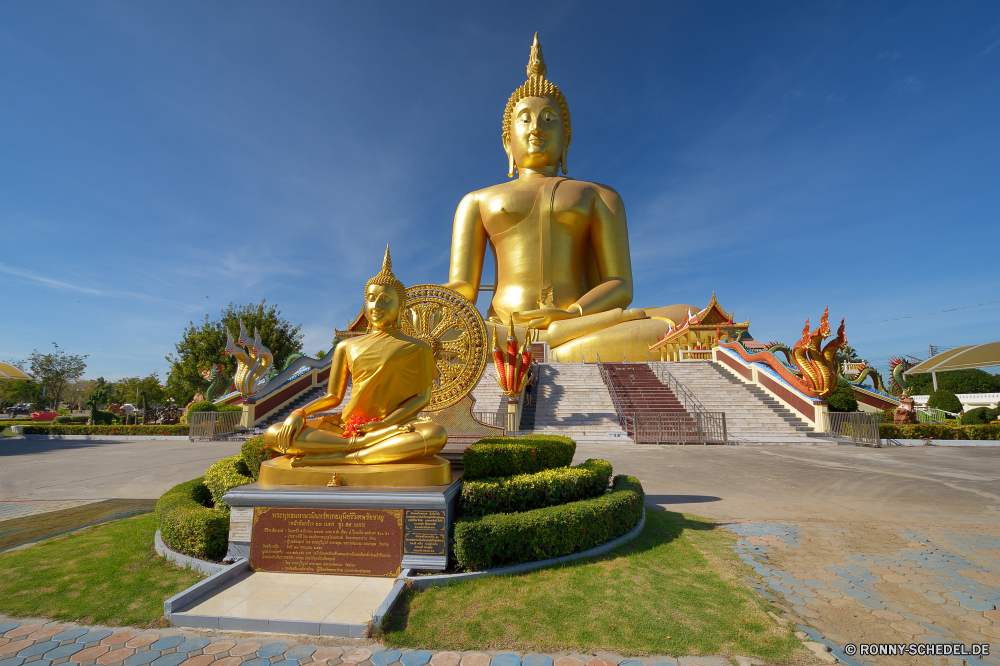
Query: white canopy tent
[(960, 358), (8, 371)]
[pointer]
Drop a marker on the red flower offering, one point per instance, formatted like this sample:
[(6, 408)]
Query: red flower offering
[(353, 425)]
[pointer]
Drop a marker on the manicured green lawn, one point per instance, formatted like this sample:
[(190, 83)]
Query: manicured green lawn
[(675, 590), (108, 574)]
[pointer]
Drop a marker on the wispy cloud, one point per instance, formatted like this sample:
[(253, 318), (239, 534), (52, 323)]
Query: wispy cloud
[(909, 85), (39, 279), (889, 55), (990, 48)]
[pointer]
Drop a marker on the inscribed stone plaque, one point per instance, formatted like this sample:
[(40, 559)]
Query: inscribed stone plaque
[(351, 542), (424, 543), (425, 520), (240, 522)]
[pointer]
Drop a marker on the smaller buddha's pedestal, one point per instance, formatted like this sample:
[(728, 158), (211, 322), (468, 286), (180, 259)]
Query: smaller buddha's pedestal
[(433, 471), (379, 520)]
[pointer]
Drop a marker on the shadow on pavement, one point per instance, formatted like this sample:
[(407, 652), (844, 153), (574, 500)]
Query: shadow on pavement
[(27, 529)]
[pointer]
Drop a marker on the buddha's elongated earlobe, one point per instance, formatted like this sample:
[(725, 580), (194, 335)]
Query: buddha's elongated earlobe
[(511, 167), (565, 169)]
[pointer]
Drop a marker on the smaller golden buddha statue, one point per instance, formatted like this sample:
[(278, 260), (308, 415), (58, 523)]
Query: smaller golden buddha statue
[(392, 375)]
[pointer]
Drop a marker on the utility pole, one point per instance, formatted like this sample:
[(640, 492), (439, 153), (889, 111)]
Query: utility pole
[(930, 353)]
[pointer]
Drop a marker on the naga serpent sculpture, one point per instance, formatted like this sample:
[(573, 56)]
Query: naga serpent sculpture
[(215, 379), (513, 365), (251, 363), (817, 367), (897, 366)]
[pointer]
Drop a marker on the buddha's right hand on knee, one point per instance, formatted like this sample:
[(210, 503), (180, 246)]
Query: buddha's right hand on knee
[(290, 430)]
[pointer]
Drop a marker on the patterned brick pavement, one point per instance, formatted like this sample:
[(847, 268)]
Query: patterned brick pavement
[(36, 643), (881, 584)]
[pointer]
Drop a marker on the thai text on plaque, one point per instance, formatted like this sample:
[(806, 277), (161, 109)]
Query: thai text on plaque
[(351, 542)]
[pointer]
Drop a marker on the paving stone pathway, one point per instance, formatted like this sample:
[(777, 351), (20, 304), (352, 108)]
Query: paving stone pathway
[(39, 643), (880, 584)]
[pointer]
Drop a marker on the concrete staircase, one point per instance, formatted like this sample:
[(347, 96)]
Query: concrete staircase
[(572, 400), (752, 416), (639, 390)]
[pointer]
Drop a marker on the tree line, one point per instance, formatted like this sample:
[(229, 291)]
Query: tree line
[(58, 376)]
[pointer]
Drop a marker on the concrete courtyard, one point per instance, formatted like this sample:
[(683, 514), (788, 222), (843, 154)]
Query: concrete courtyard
[(886, 545)]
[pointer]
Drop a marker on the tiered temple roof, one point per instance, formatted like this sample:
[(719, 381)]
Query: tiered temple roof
[(701, 330)]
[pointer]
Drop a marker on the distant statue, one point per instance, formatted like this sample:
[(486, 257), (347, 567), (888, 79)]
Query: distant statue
[(906, 413)]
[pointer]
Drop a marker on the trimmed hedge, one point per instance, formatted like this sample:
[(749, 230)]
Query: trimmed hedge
[(494, 457), (929, 431), (188, 523), (979, 416), (226, 474), (254, 453), (79, 419), (504, 539), (525, 492), (99, 417), (106, 430)]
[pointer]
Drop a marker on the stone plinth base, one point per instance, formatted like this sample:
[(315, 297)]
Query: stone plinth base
[(427, 516), (433, 471)]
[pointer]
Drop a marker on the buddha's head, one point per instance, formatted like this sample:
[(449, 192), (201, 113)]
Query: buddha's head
[(536, 122), (385, 296)]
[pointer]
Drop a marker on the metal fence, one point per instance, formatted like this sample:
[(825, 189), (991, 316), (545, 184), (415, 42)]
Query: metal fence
[(498, 419), (677, 428), (215, 425), (860, 427)]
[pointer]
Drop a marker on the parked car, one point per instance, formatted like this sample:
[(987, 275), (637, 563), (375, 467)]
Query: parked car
[(44, 416), (19, 408)]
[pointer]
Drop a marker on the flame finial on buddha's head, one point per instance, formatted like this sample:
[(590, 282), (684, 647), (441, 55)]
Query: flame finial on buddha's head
[(537, 86), (387, 279)]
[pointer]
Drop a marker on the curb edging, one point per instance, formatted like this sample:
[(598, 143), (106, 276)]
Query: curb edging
[(424, 582)]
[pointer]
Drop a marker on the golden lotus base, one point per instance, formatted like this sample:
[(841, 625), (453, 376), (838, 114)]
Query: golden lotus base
[(433, 471)]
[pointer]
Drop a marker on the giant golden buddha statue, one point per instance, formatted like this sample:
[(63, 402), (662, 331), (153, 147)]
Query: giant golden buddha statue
[(392, 377), (563, 267)]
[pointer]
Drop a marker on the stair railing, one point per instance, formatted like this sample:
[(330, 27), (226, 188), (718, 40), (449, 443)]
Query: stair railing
[(712, 422), (606, 377), (691, 403)]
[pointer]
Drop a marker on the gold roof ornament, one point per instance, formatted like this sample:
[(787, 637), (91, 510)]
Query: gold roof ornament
[(537, 86), (387, 279)]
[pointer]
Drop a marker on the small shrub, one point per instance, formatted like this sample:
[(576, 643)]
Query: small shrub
[(100, 417), (202, 406), (79, 420), (979, 416), (224, 475), (229, 408), (503, 539), (946, 400), (188, 523), (494, 457), (254, 453), (525, 492), (842, 399)]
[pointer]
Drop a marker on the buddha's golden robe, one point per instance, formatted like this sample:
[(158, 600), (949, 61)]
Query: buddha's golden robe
[(386, 370)]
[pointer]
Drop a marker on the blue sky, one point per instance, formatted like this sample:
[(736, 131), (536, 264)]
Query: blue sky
[(159, 160)]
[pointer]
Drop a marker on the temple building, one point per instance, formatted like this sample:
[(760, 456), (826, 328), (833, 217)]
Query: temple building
[(699, 332)]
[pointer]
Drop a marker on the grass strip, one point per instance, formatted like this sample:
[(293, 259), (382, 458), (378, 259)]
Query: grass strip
[(676, 589), (108, 574)]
